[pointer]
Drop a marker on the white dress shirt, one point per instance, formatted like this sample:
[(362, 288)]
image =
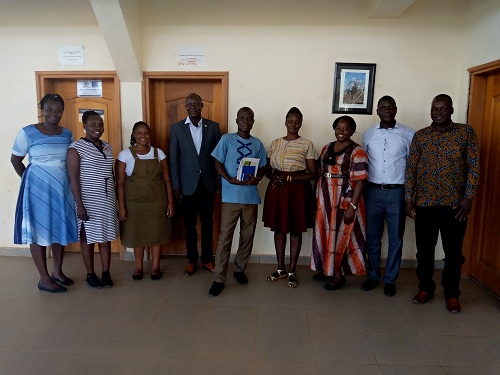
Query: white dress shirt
[(387, 151), (196, 133)]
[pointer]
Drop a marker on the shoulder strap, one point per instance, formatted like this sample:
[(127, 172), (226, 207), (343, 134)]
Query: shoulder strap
[(134, 154)]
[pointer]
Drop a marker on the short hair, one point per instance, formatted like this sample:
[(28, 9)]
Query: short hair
[(51, 97), (294, 110), (245, 109), (87, 114), (446, 97), (193, 95), (349, 119), (386, 98), (136, 125)]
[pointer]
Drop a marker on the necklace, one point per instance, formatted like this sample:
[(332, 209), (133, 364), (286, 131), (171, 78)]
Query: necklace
[(338, 147)]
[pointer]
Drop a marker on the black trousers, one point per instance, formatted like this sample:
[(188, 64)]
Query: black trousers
[(429, 222), (200, 204)]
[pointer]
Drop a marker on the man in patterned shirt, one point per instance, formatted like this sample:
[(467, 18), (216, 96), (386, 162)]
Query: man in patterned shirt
[(442, 174)]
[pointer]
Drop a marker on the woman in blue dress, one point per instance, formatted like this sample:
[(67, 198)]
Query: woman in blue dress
[(45, 210)]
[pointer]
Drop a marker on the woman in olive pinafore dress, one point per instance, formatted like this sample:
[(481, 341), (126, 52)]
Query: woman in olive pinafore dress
[(145, 200)]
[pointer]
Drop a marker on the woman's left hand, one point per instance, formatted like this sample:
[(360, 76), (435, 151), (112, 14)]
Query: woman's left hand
[(349, 215), (81, 212), (170, 209)]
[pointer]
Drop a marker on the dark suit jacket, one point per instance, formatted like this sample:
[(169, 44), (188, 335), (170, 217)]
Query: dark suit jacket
[(186, 164)]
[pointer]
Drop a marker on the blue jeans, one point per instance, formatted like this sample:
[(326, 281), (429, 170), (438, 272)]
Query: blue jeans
[(384, 206)]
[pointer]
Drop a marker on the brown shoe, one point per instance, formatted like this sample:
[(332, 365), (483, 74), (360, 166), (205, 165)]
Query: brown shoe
[(190, 269), (208, 266), (423, 297), (453, 305)]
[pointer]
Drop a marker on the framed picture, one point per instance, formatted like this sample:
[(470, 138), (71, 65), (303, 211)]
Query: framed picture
[(353, 88)]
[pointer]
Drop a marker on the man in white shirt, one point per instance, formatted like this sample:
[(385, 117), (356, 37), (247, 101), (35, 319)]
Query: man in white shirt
[(387, 144), (194, 179)]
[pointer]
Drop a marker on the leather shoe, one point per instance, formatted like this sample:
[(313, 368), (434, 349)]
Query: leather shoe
[(208, 266), (369, 284), (240, 277), (335, 284), (60, 289), (453, 305), (423, 297), (190, 269), (215, 289), (389, 289)]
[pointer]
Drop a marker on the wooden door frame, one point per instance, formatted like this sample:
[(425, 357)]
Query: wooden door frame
[(42, 77), (478, 76), (149, 77)]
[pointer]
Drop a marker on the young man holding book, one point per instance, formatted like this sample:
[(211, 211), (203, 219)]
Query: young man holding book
[(240, 199)]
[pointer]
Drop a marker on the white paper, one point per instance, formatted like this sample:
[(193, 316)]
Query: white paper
[(91, 88), (70, 55), (190, 56)]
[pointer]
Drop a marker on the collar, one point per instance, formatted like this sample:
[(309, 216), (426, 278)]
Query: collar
[(394, 127), (451, 127), (188, 122)]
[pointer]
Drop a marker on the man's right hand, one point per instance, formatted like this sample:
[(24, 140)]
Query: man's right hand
[(410, 210), (178, 194)]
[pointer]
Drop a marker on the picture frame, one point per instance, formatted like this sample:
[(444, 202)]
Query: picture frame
[(353, 88)]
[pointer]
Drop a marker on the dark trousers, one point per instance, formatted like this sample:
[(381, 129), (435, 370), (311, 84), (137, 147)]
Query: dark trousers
[(429, 222), (201, 204)]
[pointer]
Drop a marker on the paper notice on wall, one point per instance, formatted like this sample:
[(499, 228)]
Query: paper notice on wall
[(190, 56), (91, 88), (70, 55)]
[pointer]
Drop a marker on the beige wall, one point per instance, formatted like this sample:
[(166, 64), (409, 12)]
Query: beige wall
[(278, 54)]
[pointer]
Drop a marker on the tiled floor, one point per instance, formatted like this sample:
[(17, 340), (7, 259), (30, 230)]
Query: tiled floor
[(171, 326)]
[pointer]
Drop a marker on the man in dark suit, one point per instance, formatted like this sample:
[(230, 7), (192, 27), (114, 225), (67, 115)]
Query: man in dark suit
[(194, 179)]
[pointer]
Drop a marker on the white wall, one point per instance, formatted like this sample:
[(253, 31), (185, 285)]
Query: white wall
[(278, 54)]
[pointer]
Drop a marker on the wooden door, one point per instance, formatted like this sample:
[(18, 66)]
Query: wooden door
[(65, 84), (483, 236), (165, 96)]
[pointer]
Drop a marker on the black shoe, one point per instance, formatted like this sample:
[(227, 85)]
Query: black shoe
[(335, 284), (320, 276), (369, 284), (59, 289), (240, 277), (156, 276), (66, 282), (106, 280), (93, 281), (215, 289), (389, 289)]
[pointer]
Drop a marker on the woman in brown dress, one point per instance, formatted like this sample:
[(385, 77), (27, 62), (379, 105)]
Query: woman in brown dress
[(145, 199)]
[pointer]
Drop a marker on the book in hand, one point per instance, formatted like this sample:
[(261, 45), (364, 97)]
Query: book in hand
[(248, 167)]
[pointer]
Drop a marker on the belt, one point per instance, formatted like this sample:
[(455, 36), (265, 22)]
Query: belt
[(331, 175), (387, 186)]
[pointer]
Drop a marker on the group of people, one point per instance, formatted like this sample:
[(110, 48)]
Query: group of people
[(69, 192), (430, 175)]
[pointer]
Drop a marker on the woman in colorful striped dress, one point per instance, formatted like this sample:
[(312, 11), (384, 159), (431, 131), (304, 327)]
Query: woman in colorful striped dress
[(90, 169), (45, 211), (339, 231)]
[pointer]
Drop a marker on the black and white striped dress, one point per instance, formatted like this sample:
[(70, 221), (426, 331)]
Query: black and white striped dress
[(97, 187)]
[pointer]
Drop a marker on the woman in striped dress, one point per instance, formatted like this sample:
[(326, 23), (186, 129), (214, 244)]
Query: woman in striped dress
[(90, 169), (339, 231)]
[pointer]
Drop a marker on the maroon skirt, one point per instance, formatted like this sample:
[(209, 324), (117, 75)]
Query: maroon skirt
[(289, 208)]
